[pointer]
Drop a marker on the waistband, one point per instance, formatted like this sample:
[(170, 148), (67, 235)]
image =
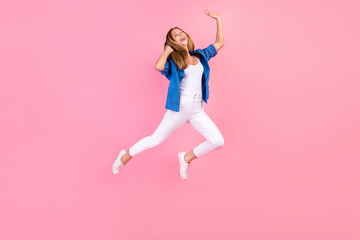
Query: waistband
[(191, 94)]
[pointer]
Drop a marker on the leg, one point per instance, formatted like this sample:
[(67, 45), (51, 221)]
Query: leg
[(171, 121), (206, 127), (189, 156)]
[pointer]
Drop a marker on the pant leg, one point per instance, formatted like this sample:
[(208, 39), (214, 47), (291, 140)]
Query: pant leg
[(206, 127), (171, 121)]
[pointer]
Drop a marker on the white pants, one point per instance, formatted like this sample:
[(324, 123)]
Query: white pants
[(192, 112)]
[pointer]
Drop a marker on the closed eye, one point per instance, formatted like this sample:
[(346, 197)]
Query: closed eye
[(176, 34)]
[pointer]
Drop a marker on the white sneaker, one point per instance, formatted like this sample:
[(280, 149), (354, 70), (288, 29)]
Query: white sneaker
[(184, 166), (117, 165)]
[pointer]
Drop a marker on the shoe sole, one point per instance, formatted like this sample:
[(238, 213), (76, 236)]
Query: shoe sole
[(179, 157), (117, 170)]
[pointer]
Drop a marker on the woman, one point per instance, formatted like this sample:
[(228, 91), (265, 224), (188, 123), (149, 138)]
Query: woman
[(188, 71)]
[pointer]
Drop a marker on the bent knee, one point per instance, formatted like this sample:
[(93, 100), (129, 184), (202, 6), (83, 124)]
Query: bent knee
[(219, 141)]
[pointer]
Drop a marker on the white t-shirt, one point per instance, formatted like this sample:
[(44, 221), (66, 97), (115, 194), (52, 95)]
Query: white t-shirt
[(193, 77)]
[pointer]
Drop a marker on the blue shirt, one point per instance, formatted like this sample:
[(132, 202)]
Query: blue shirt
[(175, 75)]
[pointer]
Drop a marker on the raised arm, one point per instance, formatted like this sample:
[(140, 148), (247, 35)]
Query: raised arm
[(160, 63), (219, 42)]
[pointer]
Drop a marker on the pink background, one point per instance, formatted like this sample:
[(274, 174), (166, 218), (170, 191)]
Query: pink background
[(78, 84)]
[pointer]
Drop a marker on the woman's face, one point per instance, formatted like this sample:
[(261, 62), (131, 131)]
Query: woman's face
[(179, 36)]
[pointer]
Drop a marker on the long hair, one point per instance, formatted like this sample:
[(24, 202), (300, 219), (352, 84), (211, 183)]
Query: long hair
[(179, 54)]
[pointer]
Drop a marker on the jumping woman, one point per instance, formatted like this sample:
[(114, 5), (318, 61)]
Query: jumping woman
[(188, 72)]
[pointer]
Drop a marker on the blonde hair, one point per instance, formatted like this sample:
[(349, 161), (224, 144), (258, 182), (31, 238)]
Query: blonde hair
[(179, 54)]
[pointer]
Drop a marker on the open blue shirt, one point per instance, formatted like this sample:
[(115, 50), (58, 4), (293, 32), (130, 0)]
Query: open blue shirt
[(175, 75)]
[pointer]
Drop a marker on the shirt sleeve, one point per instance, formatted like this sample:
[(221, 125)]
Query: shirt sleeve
[(167, 70), (210, 52)]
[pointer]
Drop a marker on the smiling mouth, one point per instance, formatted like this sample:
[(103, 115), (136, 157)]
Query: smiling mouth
[(182, 39)]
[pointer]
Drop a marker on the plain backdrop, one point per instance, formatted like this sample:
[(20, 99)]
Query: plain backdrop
[(78, 84)]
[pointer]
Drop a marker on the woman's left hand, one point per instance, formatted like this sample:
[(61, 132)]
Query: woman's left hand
[(212, 14)]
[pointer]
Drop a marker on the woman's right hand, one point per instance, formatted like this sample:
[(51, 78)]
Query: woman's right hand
[(168, 48)]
